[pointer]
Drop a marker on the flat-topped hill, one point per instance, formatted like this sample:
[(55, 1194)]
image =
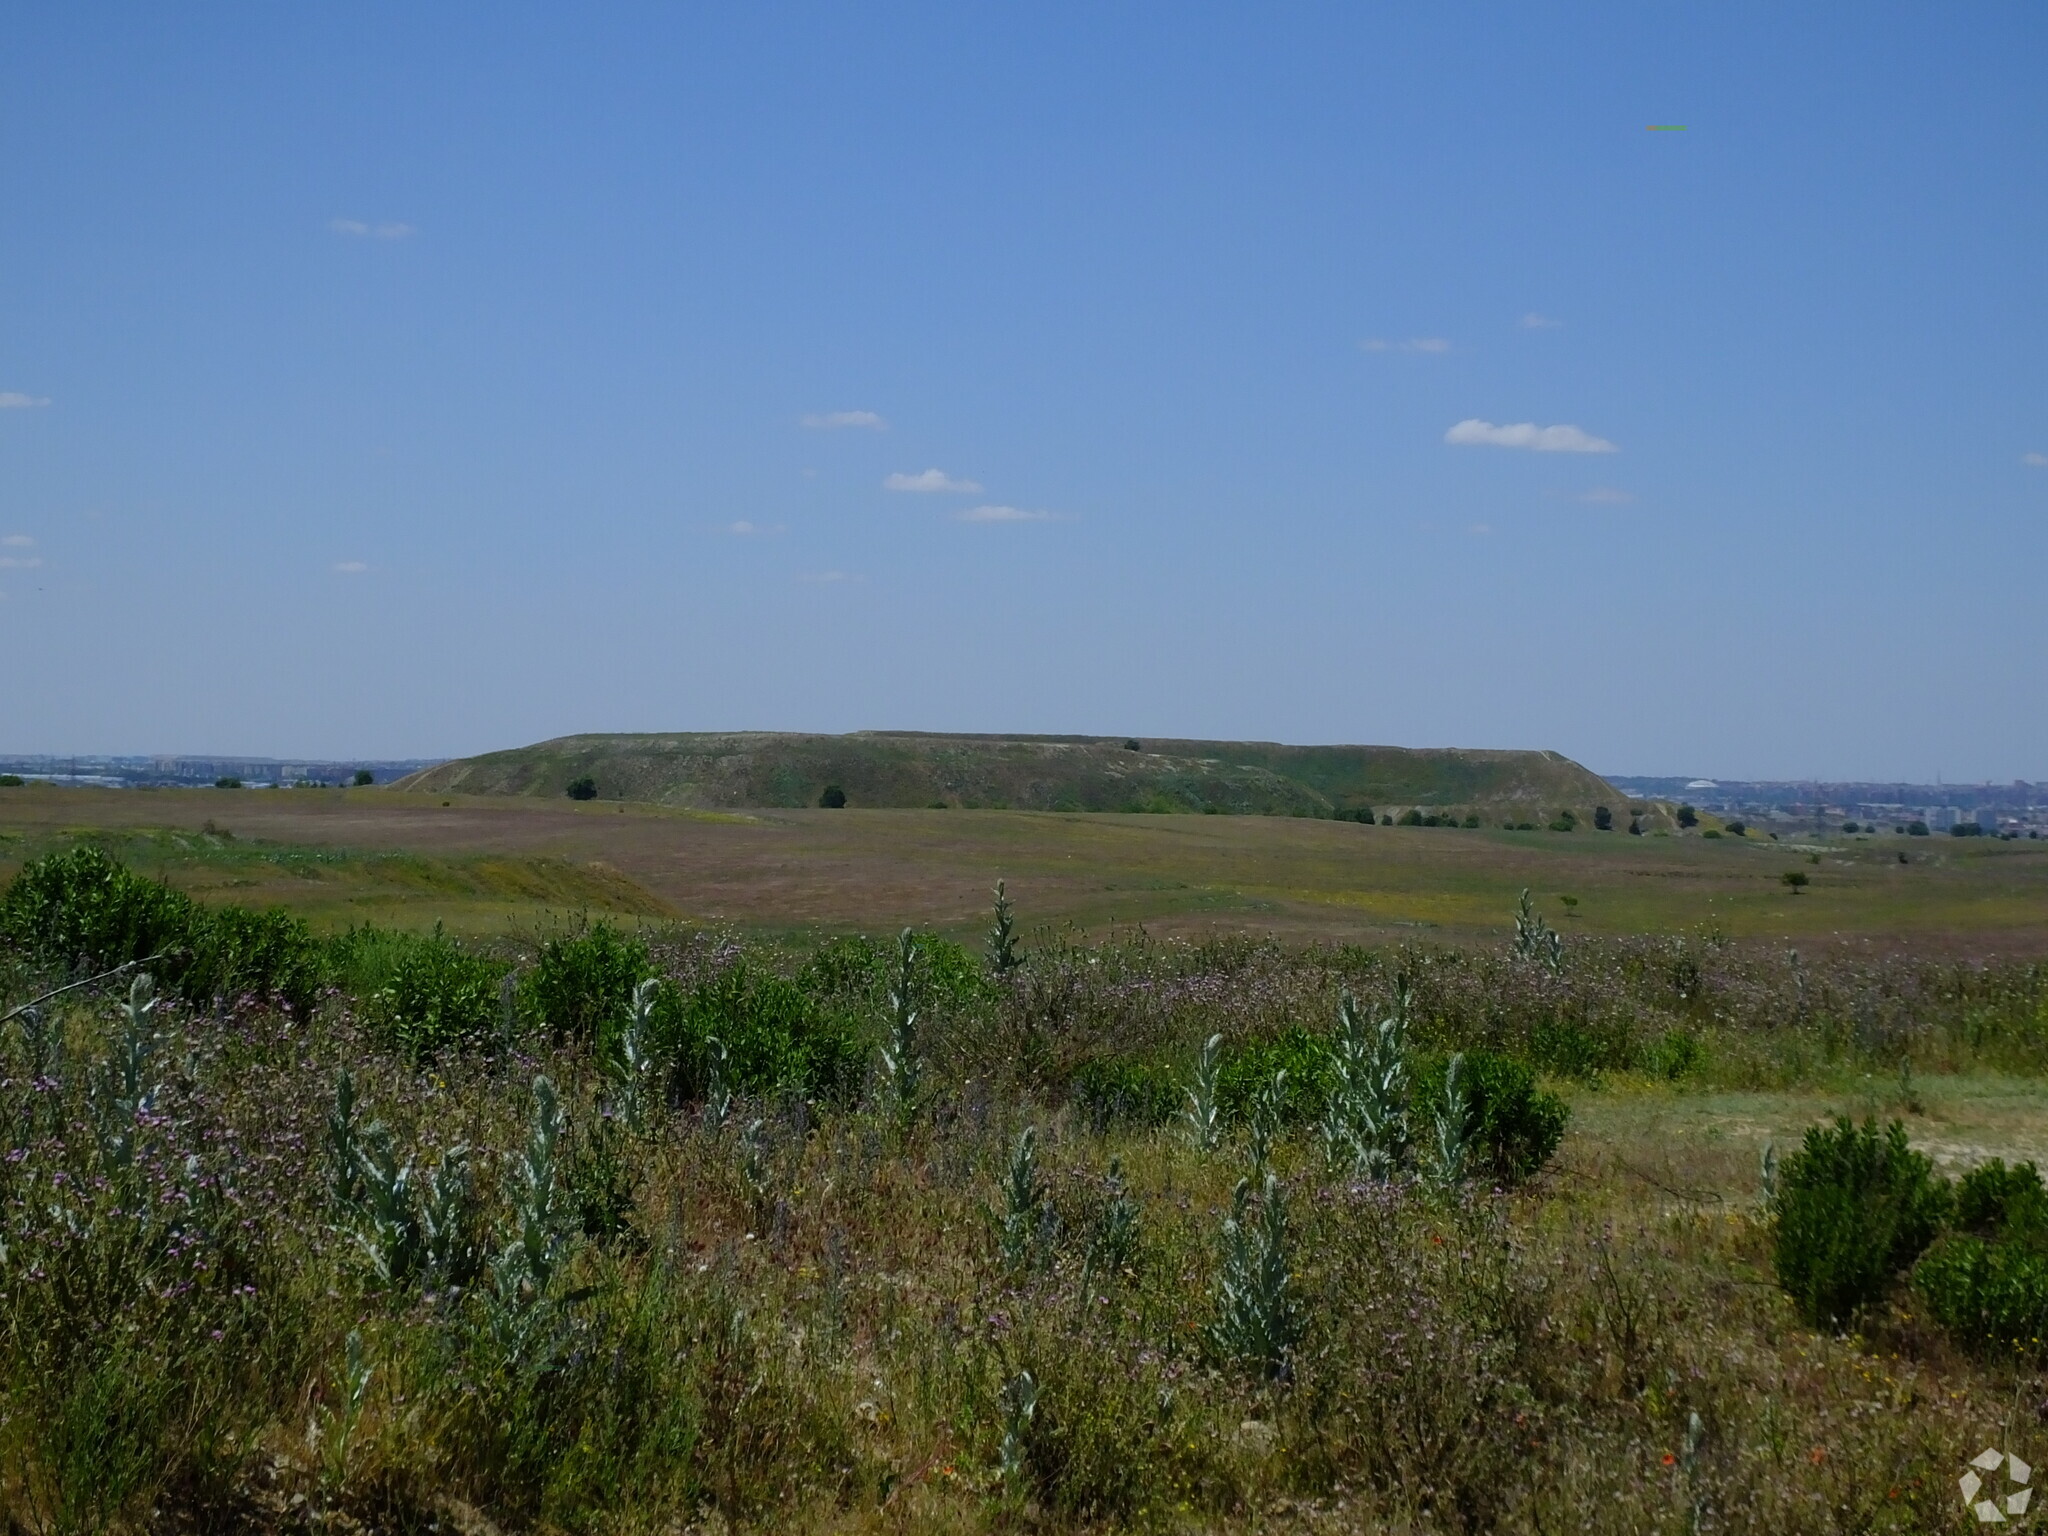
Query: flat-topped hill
[(740, 769)]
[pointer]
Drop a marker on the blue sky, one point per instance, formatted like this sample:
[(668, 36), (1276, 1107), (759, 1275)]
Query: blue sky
[(426, 379)]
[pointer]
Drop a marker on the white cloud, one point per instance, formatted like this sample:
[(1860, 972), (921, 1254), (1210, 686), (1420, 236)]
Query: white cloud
[(357, 229), (1606, 496), (13, 400), (1527, 434), (1006, 515), (824, 577), (2038, 460), (17, 563), (744, 529), (1535, 322), (18, 541), (350, 567), (1414, 344), (832, 421), (1480, 530), (930, 480)]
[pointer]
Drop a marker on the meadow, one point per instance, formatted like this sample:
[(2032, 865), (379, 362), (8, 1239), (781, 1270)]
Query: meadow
[(480, 863), (665, 1185)]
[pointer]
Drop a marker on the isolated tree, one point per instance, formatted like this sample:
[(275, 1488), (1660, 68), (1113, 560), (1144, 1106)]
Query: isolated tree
[(1603, 819), (1133, 745), (227, 781), (833, 798), (584, 788), (364, 777), (1796, 878), (1688, 817)]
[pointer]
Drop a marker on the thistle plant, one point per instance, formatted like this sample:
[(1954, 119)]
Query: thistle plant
[(387, 1222), (1258, 1321), (1003, 957), (1453, 1127), (125, 1089), (1115, 1245), (452, 1254), (1022, 1226), (1365, 1124), (898, 1065), (1268, 1107), (525, 1271), (1535, 939), (334, 1428), (717, 1083), (631, 1059), (1204, 1114), (1020, 1405), (344, 1172)]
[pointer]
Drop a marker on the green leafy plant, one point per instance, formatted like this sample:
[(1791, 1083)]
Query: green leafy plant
[(832, 798), (363, 778), (1986, 1282), (582, 984), (1854, 1208), (898, 1066), (1512, 1127), (1535, 940), (1796, 878), (583, 788), (1003, 957), (422, 993), (1024, 1222), (1259, 1321), (1204, 1111), (1365, 1122)]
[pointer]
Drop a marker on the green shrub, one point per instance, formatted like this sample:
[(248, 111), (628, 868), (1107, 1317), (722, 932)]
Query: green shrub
[(1515, 1126), (363, 778), (11, 781), (1854, 1209), (580, 987), (1986, 1293), (832, 798), (584, 788), (421, 993), (1120, 1088), (1993, 1200), (1987, 1282), (1411, 818), (269, 953), (778, 1038), (84, 909), (1248, 1068)]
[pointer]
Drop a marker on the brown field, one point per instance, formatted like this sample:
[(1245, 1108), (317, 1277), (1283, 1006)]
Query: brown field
[(478, 863)]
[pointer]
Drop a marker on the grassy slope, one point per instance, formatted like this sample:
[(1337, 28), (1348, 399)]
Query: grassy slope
[(911, 769), (478, 862)]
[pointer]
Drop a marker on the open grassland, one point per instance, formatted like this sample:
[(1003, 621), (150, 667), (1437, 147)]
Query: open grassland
[(481, 863), (701, 1232)]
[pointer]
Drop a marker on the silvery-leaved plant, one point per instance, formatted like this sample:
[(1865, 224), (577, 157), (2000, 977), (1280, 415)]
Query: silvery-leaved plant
[(898, 1067), (1258, 1320), (1365, 1119), (1204, 1113)]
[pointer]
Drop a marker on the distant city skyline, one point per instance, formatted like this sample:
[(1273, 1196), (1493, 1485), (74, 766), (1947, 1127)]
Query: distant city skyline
[(400, 380)]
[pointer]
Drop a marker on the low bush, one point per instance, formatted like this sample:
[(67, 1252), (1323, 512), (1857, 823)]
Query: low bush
[(581, 985), (85, 910), (778, 1038), (1248, 1069), (1854, 1208), (1987, 1281), (1115, 1088), (1516, 1126), (421, 993)]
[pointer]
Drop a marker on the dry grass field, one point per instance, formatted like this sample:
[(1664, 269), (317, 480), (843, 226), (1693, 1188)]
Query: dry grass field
[(478, 863)]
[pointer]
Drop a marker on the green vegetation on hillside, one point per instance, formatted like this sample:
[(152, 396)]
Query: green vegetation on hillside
[(906, 769)]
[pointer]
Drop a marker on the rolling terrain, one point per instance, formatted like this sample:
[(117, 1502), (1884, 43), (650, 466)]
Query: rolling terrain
[(479, 862)]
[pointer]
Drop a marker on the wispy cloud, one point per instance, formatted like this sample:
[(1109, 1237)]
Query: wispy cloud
[(1527, 434), (1535, 322), (1007, 515), (2038, 460), (823, 578), (13, 400), (1413, 344), (832, 421), (356, 229), (350, 567), (1480, 530), (1606, 496), (18, 541), (744, 529), (930, 480), (18, 563)]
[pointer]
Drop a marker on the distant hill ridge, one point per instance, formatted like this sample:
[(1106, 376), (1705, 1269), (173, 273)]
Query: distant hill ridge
[(879, 769)]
